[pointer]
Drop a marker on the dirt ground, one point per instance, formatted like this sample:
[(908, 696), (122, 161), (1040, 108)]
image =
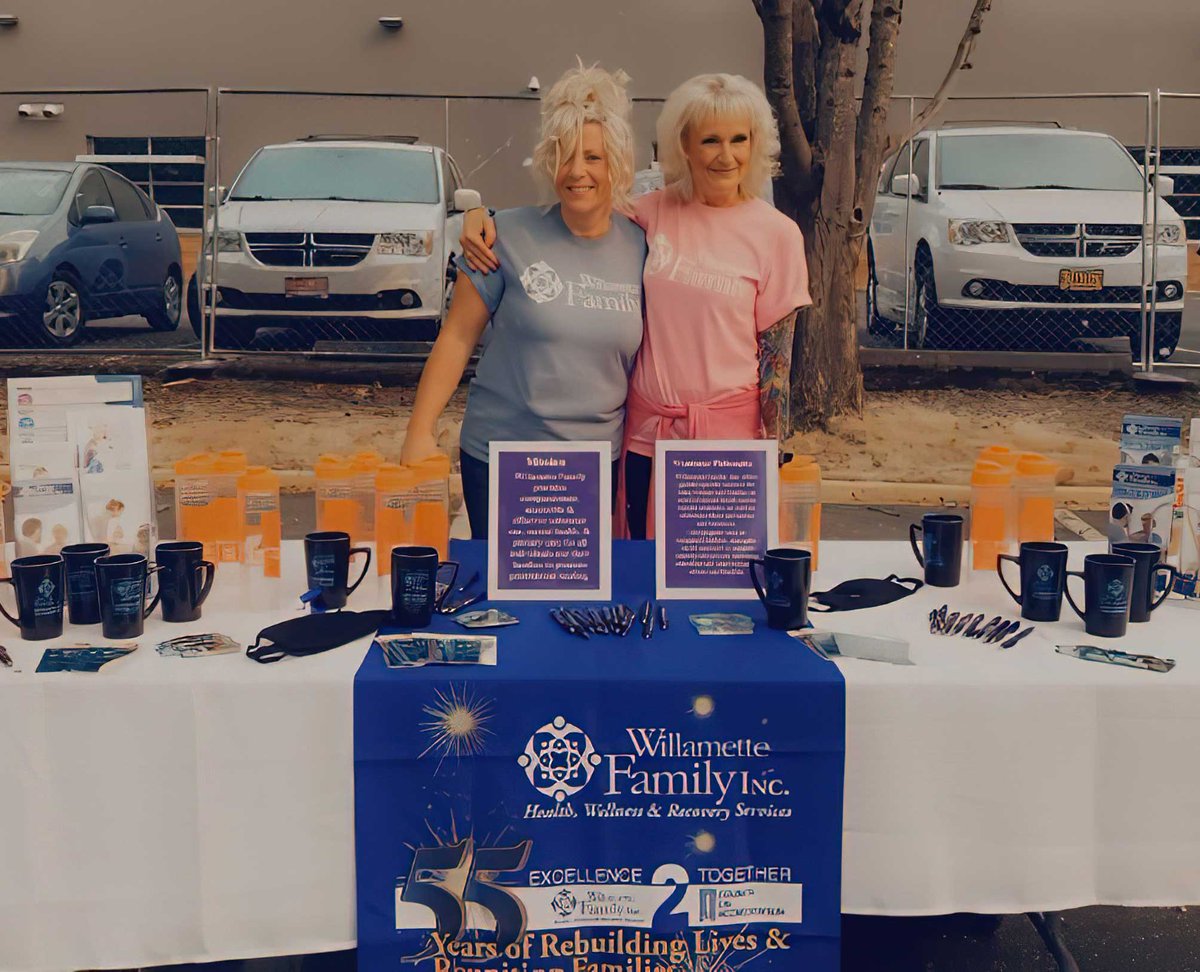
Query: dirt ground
[(928, 435)]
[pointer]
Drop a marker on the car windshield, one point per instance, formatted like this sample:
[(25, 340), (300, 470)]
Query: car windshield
[(331, 172), (1027, 160), (31, 192)]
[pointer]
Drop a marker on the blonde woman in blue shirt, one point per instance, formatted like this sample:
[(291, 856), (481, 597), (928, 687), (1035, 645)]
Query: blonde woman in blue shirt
[(566, 310)]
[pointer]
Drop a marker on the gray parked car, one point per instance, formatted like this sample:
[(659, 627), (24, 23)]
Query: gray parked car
[(79, 242)]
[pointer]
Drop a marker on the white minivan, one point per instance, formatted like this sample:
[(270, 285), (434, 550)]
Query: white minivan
[(338, 237), (1021, 236)]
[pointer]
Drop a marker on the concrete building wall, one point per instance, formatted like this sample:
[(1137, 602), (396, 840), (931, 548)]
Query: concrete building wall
[(485, 47)]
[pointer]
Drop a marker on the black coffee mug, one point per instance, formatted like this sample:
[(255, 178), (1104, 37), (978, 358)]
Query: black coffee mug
[(1107, 585), (787, 579), (83, 605), (941, 549), (1043, 569), (121, 581), (39, 582), (184, 580), (1146, 566), (327, 556), (414, 584)]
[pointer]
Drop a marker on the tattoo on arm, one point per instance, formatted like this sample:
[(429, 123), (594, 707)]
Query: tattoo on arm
[(774, 377)]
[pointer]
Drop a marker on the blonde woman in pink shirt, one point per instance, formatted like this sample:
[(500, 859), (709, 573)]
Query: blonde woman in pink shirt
[(723, 281)]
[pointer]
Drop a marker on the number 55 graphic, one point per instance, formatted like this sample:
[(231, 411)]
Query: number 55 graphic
[(444, 879)]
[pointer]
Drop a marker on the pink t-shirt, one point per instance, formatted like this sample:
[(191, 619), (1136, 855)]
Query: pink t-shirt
[(714, 278)]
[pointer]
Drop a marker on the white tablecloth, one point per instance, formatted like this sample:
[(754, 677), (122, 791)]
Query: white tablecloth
[(169, 810)]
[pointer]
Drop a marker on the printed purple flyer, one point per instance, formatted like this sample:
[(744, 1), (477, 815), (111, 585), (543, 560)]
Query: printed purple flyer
[(550, 530), (714, 506)]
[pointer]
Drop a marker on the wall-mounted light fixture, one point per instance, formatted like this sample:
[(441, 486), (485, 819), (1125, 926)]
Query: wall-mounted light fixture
[(9, 20), (391, 23)]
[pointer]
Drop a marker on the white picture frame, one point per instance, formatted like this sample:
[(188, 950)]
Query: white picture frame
[(665, 450)]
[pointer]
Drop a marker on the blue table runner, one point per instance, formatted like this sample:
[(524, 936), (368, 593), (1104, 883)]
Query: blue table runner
[(644, 805)]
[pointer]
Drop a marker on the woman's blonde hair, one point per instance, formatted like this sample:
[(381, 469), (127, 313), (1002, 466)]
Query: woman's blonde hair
[(725, 97), (582, 95)]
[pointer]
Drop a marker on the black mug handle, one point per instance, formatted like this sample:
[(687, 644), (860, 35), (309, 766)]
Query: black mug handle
[(3, 609), (366, 566), (209, 570), (453, 576), (152, 569), (1173, 577), (762, 595), (913, 528), (1000, 571), (1067, 591)]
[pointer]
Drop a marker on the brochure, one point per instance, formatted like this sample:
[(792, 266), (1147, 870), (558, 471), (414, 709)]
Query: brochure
[(1140, 505), (1150, 440)]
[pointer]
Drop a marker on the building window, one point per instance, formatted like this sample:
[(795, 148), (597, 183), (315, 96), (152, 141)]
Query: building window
[(168, 169)]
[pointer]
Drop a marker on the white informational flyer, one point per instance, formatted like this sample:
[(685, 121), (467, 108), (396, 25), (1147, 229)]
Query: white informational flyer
[(716, 507), (46, 516), (550, 521), (80, 463)]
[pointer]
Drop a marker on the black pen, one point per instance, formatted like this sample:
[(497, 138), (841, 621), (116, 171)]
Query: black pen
[(627, 619), (563, 617), (598, 620), (5, 657), (648, 620)]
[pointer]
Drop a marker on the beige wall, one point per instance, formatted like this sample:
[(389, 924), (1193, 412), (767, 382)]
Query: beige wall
[(491, 47)]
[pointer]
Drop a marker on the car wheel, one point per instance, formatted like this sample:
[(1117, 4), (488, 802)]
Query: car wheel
[(451, 277), (1166, 334), (927, 322), (64, 313), (193, 306), (165, 314), (876, 325)]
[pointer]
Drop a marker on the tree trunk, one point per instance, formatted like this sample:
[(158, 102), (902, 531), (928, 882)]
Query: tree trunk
[(826, 378), (831, 155)]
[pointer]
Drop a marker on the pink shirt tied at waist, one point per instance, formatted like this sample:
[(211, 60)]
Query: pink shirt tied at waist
[(725, 417)]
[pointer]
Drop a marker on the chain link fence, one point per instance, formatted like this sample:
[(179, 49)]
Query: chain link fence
[(101, 218), (1019, 224), (1031, 223), (1175, 162)]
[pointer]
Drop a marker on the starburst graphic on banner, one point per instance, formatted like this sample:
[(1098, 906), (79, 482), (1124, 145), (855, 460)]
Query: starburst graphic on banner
[(707, 962), (458, 723)]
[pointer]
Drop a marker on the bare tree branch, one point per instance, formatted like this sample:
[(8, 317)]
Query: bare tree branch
[(961, 62), (806, 44), (839, 23), (796, 151), (871, 139)]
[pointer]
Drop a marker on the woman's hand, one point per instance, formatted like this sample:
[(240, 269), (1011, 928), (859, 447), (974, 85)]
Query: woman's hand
[(478, 236), (418, 446)]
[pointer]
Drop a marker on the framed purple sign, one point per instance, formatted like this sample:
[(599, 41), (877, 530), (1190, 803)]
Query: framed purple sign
[(550, 521), (716, 507)]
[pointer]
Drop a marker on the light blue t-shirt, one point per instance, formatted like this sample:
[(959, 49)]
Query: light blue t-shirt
[(566, 326)]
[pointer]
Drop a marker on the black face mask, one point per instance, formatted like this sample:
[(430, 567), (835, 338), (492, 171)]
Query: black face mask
[(864, 592), (312, 634)]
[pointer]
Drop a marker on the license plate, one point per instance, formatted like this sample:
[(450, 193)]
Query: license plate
[(306, 286), (1080, 279)]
